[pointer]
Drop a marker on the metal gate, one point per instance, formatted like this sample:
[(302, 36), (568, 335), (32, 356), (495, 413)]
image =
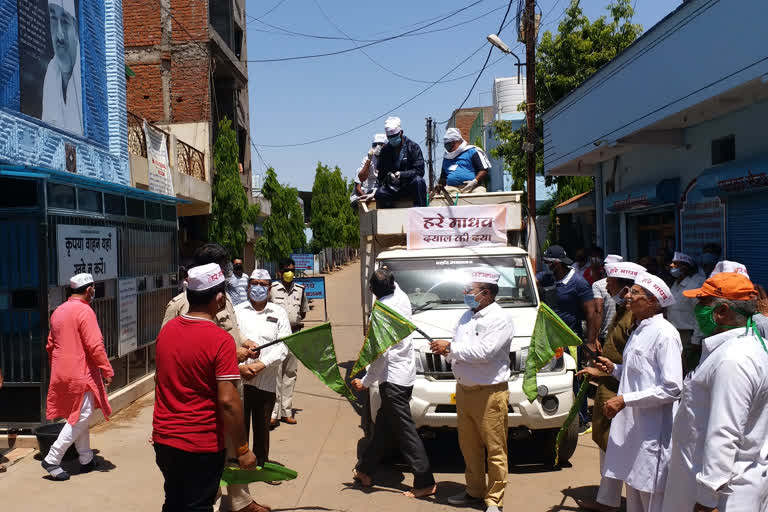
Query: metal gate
[(23, 320)]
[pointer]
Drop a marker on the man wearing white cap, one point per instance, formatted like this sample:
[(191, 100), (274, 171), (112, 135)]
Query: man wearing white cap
[(79, 369), (366, 178), (479, 356), (650, 382), (685, 272), (264, 322), (465, 167), (62, 91), (604, 306), (197, 401), (400, 169), (621, 277)]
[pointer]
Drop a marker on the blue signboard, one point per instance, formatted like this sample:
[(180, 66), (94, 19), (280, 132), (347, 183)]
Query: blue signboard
[(314, 287), (304, 262)]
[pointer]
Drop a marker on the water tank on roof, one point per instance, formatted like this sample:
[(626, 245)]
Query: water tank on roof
[(507, 96)]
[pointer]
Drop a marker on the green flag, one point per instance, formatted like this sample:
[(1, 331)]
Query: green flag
[(549, 334), (387, 328), (580, 397), (314, 348), (269, 473)]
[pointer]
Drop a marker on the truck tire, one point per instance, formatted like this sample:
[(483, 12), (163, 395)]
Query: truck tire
[(547, 439)]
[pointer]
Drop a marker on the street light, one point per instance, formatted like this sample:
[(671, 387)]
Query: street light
[(501, 45)]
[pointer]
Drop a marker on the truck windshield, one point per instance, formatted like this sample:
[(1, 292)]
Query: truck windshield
[(439, 283)]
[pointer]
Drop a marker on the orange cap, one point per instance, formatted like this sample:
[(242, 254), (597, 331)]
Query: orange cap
[(725, 285)]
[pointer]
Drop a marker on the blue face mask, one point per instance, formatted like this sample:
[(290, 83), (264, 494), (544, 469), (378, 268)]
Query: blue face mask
[(471, 301), (676, 272), (396, 140), (258, 293)]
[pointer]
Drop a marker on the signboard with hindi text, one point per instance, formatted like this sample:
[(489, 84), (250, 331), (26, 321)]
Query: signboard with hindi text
[(91, 249), (314, 287), (304, 262), (128, 316), (160, 180), (457, 226)]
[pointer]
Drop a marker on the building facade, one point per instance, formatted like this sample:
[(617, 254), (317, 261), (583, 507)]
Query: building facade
[(190, 63), (673, 130), (66, 201)]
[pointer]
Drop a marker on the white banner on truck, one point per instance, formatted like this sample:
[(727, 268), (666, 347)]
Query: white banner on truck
[(457, 226)]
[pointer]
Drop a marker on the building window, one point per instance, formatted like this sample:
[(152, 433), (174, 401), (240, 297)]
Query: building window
[(89, 200), (154, 211), (114, 205), (17, 193), (723, 149), (238, 42), (135, 207), (61, 196)]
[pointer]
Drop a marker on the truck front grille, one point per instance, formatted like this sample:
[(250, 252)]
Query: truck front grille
[(437, 367)]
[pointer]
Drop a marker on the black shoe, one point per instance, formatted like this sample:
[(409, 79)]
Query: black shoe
[(87, 468), (55, 471)]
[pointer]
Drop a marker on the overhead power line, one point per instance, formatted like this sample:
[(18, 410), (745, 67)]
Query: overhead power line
[(264, 15)]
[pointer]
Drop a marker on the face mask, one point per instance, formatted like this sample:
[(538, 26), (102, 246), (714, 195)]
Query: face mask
[(237, 269), (706, 320), (227, 269), (396, 140), (258, 293), (471, 301), (676, 272), (619, 298), (448, 146), (288, 276)]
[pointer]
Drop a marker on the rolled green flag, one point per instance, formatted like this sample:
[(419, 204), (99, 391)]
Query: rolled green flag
[(549, 334), (580, 397), (269, 473), (314, 348), (386, 328)]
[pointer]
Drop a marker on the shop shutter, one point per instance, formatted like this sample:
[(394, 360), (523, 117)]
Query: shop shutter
[(746, 234)]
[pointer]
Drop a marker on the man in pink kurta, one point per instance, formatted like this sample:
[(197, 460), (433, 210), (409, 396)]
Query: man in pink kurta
[(79, 369)]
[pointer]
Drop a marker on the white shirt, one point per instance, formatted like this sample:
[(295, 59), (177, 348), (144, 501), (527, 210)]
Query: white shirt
[(372, 181), (650, 380), (480, 348), (397, 365), (67, 115), (681, 312), (261, 327), (721, 428), (600, 291)]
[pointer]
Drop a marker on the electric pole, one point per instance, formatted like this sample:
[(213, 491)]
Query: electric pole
[(430, 144), (530, 117)]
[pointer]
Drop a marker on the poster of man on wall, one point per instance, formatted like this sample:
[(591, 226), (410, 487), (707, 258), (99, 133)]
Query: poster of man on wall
[(49, 63)]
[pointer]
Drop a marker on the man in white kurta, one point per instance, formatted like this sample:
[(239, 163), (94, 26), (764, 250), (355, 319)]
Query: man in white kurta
[(650, 381), (719, 436), (62, 91)]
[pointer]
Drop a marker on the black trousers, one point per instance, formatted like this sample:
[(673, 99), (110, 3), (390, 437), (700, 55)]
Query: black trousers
[(257, 409), (394, 424), (416, 189), (191, 479)]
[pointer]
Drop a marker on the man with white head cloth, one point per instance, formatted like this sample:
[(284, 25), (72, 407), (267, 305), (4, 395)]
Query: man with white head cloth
[(62, 91), (465, 167), (650, 382), (479, 356)]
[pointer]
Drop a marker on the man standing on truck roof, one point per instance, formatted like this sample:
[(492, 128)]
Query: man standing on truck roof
[(401, 169), (395, 371), (465, 167), (366, 179), (573, 301), (479, 355)]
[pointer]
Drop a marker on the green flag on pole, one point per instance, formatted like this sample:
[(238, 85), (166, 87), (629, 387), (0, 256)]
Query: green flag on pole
[(387, 328), (549, 334), (314, 348)]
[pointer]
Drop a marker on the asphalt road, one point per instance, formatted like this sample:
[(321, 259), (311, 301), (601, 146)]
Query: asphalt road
[(322, 448)]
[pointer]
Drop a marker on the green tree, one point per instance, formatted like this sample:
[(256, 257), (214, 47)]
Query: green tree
[(230, 211), (330, 209), (284, 227), (563, 61)]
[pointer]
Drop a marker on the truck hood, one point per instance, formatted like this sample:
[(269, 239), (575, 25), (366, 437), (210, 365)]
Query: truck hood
[(439, 324)]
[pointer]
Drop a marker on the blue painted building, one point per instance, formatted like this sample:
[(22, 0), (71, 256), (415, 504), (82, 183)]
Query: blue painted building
[(66, 204), (674, 132)]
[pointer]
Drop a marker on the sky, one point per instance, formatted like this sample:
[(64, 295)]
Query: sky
[(302, 100)]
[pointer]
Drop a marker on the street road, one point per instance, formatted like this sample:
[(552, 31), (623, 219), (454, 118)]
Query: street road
[(322, 447)]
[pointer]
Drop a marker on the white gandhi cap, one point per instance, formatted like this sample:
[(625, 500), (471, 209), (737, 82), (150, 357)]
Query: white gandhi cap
[(613, 258), (80, 280), (392, 126), (623, 270), (380, 138), (260, 274), (729, 266), (657, 287), (204, 277), (483, 275), (67, 5), (682, 258)]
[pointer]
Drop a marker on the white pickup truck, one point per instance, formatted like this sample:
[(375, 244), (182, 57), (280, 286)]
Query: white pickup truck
[(433, 280)]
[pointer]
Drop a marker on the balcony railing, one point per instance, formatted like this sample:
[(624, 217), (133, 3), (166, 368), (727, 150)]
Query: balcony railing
[(189, 160)]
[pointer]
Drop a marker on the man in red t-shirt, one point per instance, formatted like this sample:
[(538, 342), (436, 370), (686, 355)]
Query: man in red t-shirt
[(196, 398)]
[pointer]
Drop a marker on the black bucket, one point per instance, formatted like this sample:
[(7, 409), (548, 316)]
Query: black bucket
[(47, 435)]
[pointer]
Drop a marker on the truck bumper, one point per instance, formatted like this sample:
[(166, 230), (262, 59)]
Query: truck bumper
[(431, 402)]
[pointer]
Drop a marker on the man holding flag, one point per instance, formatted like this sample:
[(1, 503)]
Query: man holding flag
[(479, 355), (395, 371)]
